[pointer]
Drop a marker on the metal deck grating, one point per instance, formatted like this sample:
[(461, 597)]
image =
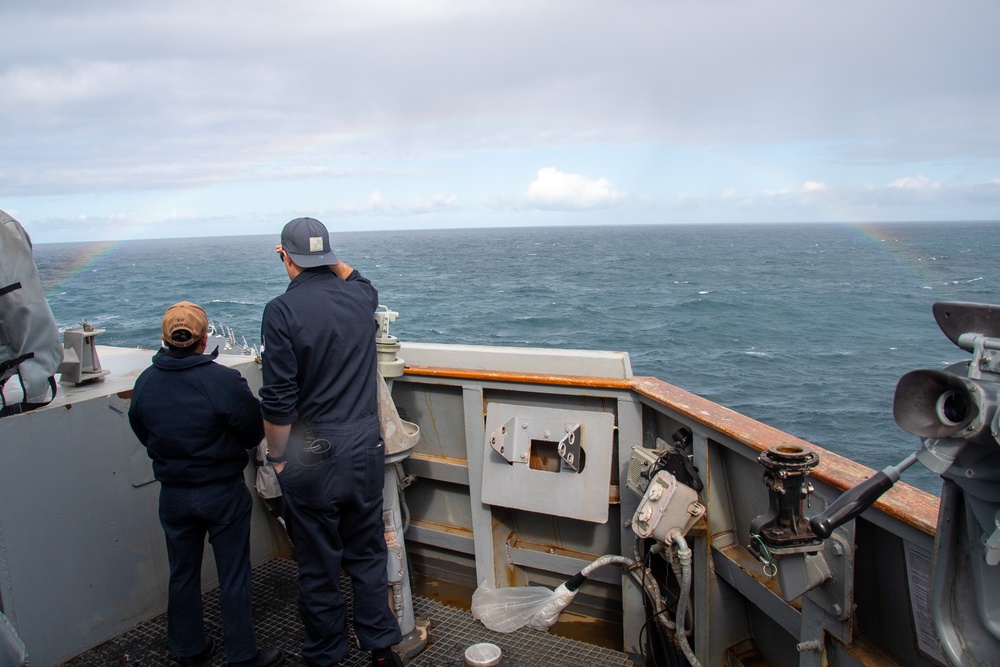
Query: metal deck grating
[(277, 624)]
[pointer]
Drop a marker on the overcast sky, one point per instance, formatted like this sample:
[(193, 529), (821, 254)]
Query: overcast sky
[(125, 119)]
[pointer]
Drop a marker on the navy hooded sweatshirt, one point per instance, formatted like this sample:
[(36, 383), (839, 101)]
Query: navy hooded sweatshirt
[(196, 418)]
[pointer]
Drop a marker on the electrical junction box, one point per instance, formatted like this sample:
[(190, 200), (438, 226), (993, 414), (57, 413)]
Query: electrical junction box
[(666, 505), (640, 463), (550, 460)]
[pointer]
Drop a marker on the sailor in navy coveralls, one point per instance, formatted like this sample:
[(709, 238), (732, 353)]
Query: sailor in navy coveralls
[(321, 418), (197, 419)]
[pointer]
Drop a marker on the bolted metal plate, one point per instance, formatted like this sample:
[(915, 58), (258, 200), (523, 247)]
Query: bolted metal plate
[(555, 461)]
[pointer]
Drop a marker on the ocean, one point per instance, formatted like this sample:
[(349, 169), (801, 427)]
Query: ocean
[(806, 328)]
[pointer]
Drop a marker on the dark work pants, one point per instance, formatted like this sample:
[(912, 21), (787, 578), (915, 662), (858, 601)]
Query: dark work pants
[(222, 511), (334, 514)]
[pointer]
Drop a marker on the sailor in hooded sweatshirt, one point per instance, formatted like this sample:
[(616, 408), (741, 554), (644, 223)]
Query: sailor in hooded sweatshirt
[(197, 420)]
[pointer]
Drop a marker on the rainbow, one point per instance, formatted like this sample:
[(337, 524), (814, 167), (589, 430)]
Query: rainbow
[(89, 255), (882, 239)]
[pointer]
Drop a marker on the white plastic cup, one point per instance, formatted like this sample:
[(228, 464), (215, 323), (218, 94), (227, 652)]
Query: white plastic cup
[(483, 655)]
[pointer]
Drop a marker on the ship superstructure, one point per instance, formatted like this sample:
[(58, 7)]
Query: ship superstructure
[(690, 533)]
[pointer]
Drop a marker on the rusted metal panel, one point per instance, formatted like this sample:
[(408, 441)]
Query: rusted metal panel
[(443, 468), (742, 571)]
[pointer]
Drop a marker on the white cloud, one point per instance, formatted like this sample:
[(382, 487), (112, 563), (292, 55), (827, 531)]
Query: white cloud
[(914, 183), (174, 214), (436, 203), (377, 205), (554, 189), (813, 186)]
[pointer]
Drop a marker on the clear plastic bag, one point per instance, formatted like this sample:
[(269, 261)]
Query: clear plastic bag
[(509, 609), (548, 614), (266, 480)]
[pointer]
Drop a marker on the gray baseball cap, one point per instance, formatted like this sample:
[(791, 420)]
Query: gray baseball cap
[(307, 242)]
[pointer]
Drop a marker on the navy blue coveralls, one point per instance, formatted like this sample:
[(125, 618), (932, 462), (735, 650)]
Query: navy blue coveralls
[(197, 419), (319, 367)]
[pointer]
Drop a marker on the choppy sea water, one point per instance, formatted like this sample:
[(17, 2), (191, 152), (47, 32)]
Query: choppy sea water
[(804, 327)]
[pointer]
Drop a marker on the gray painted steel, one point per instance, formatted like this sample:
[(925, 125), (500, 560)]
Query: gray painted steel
[(82, 556)]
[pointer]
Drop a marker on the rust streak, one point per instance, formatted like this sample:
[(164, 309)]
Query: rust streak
[(746, 562), (865, 651), (443, 528), (442, 460), (553, 549)]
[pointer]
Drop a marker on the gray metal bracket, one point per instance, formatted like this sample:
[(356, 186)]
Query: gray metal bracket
[(504, 443), (835, 595), (80, 361), (991, 545), (569, 447)]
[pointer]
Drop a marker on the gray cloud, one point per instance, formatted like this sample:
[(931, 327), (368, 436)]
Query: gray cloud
[(117, 95)]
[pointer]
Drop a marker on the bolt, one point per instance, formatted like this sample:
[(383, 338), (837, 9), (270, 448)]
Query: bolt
[(811, 645)]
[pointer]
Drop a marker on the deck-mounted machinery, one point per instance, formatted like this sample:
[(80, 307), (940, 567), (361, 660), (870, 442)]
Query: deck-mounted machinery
[(670, 506), (399, 437), (954, 413)]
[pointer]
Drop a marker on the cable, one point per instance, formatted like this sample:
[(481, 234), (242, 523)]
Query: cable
[(684, 556), (662, 651)]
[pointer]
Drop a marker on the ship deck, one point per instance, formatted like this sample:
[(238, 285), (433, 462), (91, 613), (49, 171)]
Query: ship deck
[(452, 630)]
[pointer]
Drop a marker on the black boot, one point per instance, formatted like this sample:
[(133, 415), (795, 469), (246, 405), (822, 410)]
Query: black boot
[(201, 658), (386, 657)]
